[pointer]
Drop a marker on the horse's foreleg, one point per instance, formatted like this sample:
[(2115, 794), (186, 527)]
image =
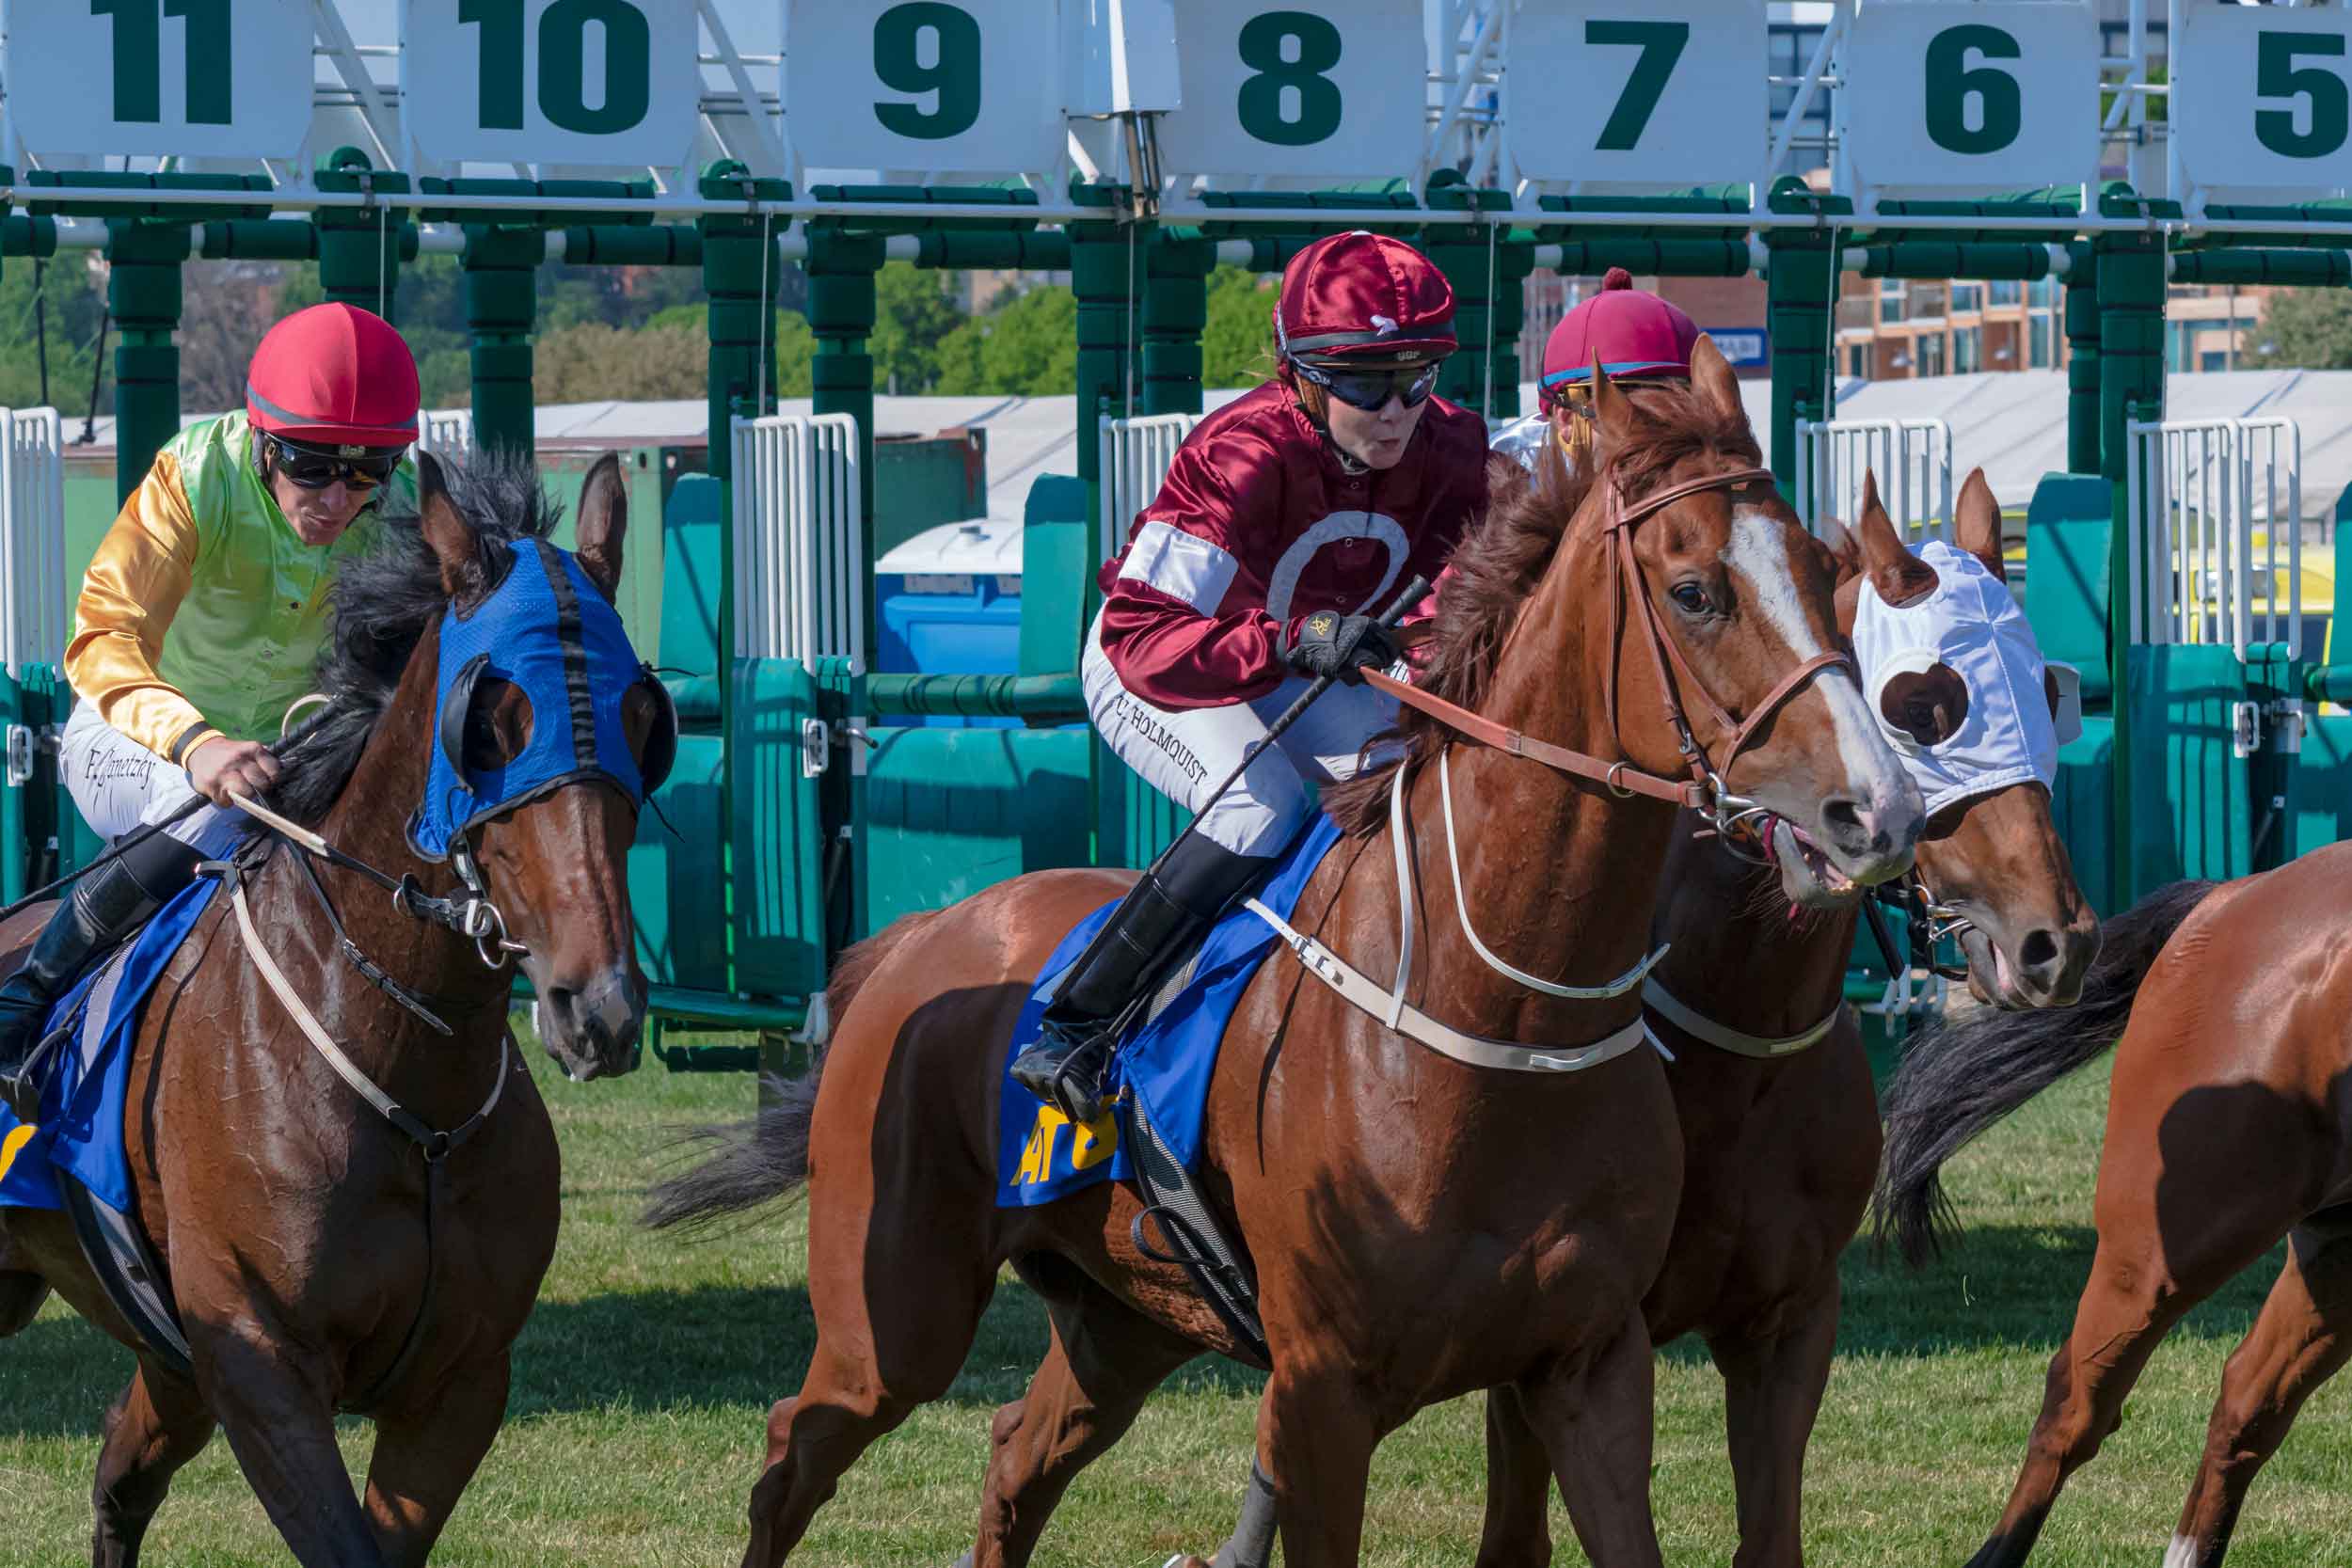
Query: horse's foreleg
[(278, 1411), (425, 1456), (2302, 1338), (1315, 1435), (1773, 1386), (1517, 1534), (1104, 1363), (159, 1424), (1596, 1420)]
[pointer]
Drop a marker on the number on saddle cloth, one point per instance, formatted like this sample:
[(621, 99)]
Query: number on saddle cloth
[(547, 629)]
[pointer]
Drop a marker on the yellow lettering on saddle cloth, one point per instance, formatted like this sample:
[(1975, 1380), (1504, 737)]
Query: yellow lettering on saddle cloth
[(12, 1146), (1093, 1143)]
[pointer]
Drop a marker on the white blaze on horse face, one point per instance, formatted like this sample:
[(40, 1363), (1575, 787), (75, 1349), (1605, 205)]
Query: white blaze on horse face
[(1758, 554)]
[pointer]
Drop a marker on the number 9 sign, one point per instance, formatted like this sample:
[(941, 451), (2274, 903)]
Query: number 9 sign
[(966, 86), (600, 82), (2260, 99), (1973, 95)]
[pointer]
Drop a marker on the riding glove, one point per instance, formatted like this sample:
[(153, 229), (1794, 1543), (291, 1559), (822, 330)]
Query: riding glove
[(1329, 644)]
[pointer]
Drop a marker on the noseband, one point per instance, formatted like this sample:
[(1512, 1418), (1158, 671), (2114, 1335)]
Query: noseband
[(1705, 791)]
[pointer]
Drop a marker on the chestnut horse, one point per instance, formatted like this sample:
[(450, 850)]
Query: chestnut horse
[(290, 1216), (2229, 1127), (1772, 1086), (1418, 1227)]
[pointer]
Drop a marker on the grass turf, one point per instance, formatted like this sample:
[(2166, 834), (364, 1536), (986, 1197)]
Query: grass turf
[(643, 1380)]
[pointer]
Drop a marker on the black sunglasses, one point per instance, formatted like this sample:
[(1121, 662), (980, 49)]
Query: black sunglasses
[(311, 470), (1371, 390)]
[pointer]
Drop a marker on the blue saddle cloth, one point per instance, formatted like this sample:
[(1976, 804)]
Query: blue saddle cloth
[(1163, 1061), (80, 1129)]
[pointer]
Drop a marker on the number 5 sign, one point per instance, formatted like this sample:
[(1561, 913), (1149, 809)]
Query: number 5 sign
[(201, 78), (2260, 102), (1640, 91), (1979, 95), (612, 83)]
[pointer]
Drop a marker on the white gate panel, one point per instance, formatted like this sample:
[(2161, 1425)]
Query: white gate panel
[(446, 434), (2217, 539), (800, 568), (32, 513), (1912, 458), (1135, 455)]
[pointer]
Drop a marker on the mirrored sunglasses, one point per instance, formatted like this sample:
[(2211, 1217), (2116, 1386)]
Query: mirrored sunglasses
[(312, 469), (1370, 391)]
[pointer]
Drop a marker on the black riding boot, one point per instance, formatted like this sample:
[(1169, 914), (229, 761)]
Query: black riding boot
[(1160, 915), (103, 908)]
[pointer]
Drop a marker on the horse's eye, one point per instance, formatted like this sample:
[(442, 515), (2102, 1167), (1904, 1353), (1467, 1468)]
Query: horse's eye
[(1690, 596)]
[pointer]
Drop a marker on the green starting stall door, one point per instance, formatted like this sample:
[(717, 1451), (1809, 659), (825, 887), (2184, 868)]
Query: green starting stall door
[(2194, 806)]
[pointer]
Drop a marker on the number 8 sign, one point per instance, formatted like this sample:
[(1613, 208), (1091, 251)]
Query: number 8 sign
[(1637, 92), (1974, 95), (610, 82), (1317, 89)]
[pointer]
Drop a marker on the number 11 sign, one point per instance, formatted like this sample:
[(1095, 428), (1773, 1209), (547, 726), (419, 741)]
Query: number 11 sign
[(199, 78)]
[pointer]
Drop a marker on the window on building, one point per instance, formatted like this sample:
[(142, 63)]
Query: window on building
[(2009, 291), (2213, 359), (1858, 360), (1926, 354), (2042, 352), (1890, 299), (1967, 350), (2043, 293), (2180, 344), (1967, 296)]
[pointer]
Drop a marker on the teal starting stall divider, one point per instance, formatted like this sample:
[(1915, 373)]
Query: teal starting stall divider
[(1134, 149)]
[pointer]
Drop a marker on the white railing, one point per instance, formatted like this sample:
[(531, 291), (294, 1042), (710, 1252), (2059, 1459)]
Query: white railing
[(1135, 455), (2215, 511), (800, 567), (1912, 459), (33, 599), (446, 434)]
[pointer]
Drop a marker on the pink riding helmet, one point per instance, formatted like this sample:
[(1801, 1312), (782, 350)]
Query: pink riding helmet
[(1633, 333)]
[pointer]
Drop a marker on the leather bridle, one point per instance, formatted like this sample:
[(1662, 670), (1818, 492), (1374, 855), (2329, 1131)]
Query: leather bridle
[(1705, 791)]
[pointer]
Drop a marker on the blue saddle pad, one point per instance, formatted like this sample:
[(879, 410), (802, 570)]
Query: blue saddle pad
[(1165, 1062), (80, 1129)]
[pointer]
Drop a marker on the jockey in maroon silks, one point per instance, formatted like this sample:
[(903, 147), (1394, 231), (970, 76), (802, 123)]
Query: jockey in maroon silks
[(1286, 521), (1636, 336)]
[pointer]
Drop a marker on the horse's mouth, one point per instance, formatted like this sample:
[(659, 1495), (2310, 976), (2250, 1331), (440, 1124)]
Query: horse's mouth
[(1807, 875)]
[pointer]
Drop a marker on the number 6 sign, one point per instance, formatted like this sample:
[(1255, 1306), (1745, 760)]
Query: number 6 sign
[(612, 83), (1638, 92), (1972, 95)]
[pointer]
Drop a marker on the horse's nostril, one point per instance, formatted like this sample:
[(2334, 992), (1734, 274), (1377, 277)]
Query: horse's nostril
[(2037, 950), (1842, 816)]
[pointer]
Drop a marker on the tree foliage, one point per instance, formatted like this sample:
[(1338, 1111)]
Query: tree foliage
[(1237, 347), (1026, 346), (2307, 329)]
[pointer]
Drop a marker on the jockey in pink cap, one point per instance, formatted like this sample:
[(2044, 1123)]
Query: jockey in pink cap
[(1287, 520), (1636, 336)]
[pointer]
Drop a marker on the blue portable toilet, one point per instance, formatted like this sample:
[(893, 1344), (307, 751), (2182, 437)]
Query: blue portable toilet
[(950, 601)]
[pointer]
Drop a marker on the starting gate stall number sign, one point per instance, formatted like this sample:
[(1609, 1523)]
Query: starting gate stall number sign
[(963, 87), (1979, 95), (1321, 89), (2260, 100), (1638, 92), (199, 78), (599, 82)]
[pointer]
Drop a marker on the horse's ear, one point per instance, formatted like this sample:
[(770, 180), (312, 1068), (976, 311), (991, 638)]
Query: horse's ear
[(1613, 411), (1977, 522), (453, 544), (1845, 552), (1711, 377), (603, 523), (1899, 576)]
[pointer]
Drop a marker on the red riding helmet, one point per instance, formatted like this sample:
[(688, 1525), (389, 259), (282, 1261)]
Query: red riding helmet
[(1632, 333), (1364, 300), (334, 375)]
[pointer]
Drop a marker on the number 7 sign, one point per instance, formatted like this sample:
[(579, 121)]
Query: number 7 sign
[(1637, 92)]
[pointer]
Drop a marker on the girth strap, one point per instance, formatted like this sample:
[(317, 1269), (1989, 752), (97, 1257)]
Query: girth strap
[(1659, 1000)]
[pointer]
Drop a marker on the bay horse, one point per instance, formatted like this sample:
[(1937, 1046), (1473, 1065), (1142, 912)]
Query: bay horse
[(1420, 1229), (2229, 1127), (291, 1217), (1773, 1086)]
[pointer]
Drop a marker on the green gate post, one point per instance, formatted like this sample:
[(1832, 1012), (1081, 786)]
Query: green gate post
[(2131, 293), (361, 249), (502, 264), (1486, 264), (1106, 261), (842, 268), (2082, 359), (143, 257), (1174, 314), (1799, 313)]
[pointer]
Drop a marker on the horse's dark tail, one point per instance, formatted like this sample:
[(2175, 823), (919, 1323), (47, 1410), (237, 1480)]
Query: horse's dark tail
[(1959, 1079), (765, 1159)]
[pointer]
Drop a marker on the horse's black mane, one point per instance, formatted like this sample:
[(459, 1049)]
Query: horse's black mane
[(382, 603)]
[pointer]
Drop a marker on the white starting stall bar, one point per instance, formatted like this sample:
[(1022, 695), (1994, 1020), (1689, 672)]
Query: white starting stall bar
[(1135, 455), (446, 433), (1912, 458), (2216, 511), (32, 566), (800, 568)]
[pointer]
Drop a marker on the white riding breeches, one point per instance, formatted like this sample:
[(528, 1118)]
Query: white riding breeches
[(1187, 753), (118, 784)]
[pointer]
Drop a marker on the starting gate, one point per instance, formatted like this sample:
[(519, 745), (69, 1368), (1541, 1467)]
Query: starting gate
[(1135, 455), (33, 607), (1912, 458), (800, 566)]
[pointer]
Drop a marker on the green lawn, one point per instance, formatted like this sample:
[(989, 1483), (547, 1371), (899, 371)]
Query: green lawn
[(643, 1381)]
